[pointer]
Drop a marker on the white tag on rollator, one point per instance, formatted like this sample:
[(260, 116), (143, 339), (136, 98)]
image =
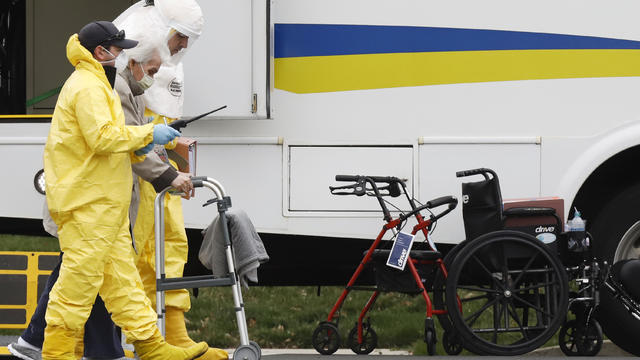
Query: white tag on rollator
[(400, 251)]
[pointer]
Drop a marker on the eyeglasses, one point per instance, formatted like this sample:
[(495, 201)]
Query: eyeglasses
[(118, 36)]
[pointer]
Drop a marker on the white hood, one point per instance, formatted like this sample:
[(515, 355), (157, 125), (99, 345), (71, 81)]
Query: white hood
[(166, 95)]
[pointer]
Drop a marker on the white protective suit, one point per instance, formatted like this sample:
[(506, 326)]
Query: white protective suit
[(164, 100)]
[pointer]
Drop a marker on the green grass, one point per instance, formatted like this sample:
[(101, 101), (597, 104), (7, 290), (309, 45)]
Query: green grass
[(28, 243), (285, 317)]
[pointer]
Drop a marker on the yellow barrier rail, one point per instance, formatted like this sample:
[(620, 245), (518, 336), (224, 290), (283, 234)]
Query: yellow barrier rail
[(23, 276)]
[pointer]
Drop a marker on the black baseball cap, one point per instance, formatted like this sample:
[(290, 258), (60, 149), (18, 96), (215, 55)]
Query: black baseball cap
[(103, 33)]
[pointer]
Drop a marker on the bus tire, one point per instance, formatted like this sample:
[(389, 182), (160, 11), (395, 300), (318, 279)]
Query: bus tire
[(617, 227)]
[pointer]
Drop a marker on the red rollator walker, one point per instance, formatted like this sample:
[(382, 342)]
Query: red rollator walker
[(362, 338)]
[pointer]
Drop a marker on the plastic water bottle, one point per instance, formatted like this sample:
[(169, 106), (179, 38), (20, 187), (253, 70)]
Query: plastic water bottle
[(577, 234)]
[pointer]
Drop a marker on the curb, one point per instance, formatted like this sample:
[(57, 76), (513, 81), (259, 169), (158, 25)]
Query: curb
[(313, 352)]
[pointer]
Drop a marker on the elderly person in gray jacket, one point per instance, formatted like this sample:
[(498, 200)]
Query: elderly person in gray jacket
[(101, 340), (144, 61)]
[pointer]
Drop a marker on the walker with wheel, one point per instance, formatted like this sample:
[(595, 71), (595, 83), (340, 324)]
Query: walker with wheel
[(248, 350)]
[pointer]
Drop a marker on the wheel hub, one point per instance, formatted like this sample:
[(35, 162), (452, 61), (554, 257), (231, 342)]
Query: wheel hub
[(629, 245)]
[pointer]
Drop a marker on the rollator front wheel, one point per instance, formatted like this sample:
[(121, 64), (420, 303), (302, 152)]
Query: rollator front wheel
[(513, 290), (326, 338), (430, 339), (369, 340)]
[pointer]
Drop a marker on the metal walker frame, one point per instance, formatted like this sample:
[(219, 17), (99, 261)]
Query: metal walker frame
[(248, 350)]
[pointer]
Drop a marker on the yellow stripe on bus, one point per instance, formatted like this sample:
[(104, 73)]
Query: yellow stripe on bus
[(375, 71), (34, 116)]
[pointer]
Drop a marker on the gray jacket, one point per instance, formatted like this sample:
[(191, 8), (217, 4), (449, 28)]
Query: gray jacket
[(153, 169)]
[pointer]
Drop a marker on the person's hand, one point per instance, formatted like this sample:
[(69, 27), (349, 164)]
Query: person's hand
[(145, 150), (162, 134), (183, 183)]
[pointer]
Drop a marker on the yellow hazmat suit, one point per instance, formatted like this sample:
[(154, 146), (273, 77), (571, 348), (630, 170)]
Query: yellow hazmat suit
[(177, 302), (176, 245), (87, 160)]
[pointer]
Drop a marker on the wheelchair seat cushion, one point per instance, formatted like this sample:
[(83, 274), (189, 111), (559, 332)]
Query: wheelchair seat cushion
[(628, 273)]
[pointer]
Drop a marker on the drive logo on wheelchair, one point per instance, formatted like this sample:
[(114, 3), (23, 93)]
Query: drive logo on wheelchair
[(545, 229)]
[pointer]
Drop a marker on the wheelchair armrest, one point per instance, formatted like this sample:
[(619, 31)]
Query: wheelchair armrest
[(530, 211), (533, 211)]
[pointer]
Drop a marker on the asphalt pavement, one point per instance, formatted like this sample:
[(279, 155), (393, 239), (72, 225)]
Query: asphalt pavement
[(609, 350)]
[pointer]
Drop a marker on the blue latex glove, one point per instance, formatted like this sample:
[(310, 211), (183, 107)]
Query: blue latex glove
[(163, 134), (145, 150)]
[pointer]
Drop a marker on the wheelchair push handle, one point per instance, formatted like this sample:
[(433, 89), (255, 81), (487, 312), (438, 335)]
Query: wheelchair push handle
[(479, 171)]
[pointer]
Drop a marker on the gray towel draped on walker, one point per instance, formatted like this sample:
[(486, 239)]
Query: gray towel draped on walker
[(248, 249)]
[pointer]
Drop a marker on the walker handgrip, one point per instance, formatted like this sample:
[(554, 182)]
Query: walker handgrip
[(377, 179), (347, 177), (441, 201), (201, 178), (197, 182), (384, 179)]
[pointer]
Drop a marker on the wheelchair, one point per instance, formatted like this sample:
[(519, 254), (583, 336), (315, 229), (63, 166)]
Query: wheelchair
[(514, 287)]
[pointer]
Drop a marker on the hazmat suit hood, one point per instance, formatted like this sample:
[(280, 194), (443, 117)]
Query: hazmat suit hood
[(165, 97), (184, 16), (81, 58)]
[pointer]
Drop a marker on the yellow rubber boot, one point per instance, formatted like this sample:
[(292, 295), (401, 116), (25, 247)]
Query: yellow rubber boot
[(177, 335), (155, 348)]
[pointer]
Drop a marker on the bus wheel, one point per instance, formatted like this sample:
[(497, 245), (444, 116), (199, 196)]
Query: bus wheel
[(616, 235)]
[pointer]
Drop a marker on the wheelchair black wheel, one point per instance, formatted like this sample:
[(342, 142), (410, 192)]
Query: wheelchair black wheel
[(326, 338), (513, 290), (568, 338), (590, 342), (369, 340), (451, 343)]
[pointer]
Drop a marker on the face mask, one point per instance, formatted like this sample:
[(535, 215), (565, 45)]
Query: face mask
[(121, 60), (146, 80)]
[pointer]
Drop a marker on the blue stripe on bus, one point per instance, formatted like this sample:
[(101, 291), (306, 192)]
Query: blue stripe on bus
[(296, 40)]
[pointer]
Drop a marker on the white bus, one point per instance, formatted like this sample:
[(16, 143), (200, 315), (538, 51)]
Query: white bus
[(543, 92)]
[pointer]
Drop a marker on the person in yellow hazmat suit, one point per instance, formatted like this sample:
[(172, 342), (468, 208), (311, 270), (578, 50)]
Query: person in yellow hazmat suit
[(87, 159), (183, 22)]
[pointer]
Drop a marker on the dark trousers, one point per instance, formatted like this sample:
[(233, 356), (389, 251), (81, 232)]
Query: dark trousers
[(101, 336)]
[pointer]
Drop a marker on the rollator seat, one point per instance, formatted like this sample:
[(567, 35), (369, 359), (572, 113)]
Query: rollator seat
[(382, 254)]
